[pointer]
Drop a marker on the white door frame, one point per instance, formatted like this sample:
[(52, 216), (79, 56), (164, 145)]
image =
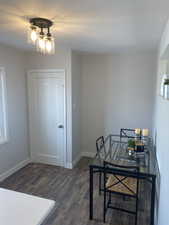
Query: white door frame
[(54, 71)]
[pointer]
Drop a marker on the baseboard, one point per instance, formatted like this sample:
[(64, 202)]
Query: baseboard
[(69, 165), (88, 154), (76, 160), (43, 159), (11, 171), (46, 159), (52, 160)]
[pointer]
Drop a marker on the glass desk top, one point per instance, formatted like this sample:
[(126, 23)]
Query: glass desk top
[(115, 151)]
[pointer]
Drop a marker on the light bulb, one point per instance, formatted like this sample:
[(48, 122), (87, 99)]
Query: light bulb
[(33, 36), (41, 43), (48, 45)]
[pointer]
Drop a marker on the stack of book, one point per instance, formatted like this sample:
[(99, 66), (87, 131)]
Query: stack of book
[(139, 149)]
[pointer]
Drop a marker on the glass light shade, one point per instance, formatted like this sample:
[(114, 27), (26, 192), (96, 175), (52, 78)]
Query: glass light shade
[(32, 35), (40, 44), (49, 45)]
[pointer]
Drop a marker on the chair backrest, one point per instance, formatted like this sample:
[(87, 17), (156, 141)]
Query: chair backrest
[(121, 174), (126, 132), (100, 147)]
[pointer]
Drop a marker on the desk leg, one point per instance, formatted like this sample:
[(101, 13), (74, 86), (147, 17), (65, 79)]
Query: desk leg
[(91, 194), (100, 183), (153, 200)]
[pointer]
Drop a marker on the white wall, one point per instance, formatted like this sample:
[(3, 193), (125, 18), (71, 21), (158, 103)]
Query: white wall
[(61, 60), (16, 150), (76, 106), (117, 91), (162, 134)]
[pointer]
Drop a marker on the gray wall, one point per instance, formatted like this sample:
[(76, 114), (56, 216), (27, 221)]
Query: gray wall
[(117, 91), (130, 91), (162, 131), (16, 150), (93, 72), (76, 106)]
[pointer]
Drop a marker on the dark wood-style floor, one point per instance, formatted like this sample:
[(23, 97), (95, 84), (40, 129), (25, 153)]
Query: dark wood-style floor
[(69, 188)]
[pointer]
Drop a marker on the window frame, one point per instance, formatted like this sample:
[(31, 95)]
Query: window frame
[(5, 138)]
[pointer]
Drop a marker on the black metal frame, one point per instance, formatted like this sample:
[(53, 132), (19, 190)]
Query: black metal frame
[(100, 143), (123, 133), (117, 170), (41, 22), (94, 169)]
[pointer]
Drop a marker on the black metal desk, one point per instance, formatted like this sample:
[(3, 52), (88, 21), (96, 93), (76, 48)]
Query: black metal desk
[(116, 153)]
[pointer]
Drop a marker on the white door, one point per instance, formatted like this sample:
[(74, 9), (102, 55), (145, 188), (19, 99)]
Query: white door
[(46, 117)]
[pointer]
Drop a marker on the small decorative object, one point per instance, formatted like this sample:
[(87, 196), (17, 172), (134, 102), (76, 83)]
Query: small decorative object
[(145, 132), (166, 88), (131, 146), (138, 131), (139, 146)]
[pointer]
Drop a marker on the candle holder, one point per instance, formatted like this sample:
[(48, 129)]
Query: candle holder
[(138, 133)]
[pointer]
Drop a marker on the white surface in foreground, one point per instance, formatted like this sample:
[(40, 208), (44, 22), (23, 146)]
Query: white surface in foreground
[(22, 209)]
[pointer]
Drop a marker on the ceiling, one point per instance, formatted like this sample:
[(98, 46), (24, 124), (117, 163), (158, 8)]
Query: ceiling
[(88, 25)]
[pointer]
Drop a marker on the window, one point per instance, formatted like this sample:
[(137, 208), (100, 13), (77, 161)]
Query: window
[(3, 113)]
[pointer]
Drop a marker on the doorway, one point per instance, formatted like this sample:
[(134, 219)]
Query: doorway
[(47, 120)]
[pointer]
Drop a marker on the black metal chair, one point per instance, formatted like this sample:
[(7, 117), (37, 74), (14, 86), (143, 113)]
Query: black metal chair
[(100, 147), (120, 180), (100, 154), (127, 133)]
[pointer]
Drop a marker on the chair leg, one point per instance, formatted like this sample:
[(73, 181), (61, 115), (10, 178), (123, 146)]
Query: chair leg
[(109, 197), (136, 211), (100, 182), (104, 207)]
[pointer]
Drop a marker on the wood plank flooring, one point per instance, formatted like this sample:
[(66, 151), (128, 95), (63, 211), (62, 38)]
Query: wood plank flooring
[(70, 190)]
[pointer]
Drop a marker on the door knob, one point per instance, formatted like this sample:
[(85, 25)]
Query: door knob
[(60, 126)]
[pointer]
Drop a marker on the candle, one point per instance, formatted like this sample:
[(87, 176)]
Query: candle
[(145, 132), (137, 131)]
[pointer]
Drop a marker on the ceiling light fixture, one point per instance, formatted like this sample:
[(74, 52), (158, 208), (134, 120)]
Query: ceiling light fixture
[(44, 42)]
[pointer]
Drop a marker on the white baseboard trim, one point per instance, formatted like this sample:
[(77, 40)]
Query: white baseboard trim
[(88, 154), (52, 160), (11, 171), (69, 166), (76, 160), (46, 159)]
